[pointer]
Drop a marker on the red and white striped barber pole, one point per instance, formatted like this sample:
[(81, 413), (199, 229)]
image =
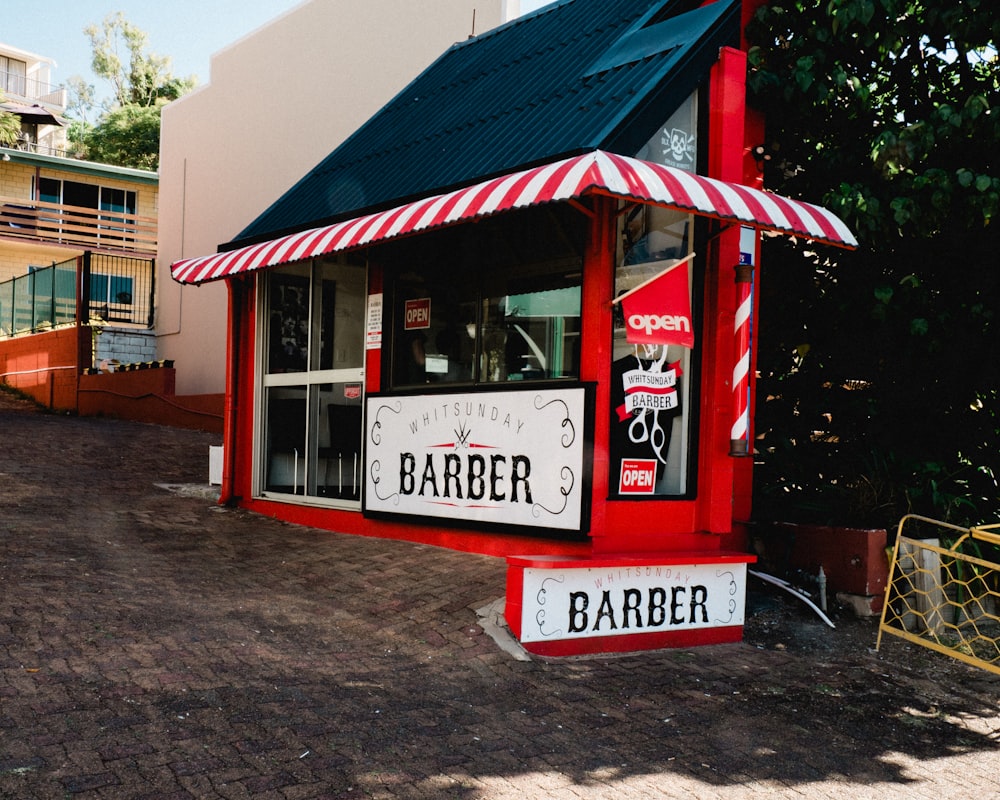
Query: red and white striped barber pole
[(739, 437)]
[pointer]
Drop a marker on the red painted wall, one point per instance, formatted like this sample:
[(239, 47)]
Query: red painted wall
[(147, 395), (48, 367), (45, 366)]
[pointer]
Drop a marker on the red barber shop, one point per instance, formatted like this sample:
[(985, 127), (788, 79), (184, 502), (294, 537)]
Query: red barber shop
[(513, 314)]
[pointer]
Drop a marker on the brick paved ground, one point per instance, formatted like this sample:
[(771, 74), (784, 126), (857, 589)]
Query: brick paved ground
[(153, 645)]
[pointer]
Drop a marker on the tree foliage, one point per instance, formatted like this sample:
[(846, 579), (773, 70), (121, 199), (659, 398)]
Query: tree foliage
[(880, 386), (129, 136), (128, 131), (10, 126), (119, 56)]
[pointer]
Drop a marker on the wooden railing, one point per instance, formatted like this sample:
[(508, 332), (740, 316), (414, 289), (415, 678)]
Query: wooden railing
[(74, 225)]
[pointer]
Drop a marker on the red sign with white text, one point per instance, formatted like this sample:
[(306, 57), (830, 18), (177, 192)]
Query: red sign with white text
[(660, 311), (418, 314), (637, 476)]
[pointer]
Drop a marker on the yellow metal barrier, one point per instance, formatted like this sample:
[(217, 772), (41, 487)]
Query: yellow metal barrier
[(945, 598)]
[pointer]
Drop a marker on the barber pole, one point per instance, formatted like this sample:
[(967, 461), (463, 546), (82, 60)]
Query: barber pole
[(739, 438)]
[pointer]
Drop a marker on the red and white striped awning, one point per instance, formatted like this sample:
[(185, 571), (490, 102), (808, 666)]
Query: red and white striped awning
[(572, 178)]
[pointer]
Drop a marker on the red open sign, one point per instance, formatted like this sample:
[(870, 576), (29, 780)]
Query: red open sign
[(417, 314), (637, 476)]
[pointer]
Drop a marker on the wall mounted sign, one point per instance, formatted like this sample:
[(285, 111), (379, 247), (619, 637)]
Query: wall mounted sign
[(512, 458), (626, 599), (373, 323)]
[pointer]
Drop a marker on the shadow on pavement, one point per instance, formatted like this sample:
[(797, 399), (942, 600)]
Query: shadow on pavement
[(153, 644)]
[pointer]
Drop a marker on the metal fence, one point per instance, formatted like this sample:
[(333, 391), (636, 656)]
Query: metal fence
[(115, 290), (944, 592)]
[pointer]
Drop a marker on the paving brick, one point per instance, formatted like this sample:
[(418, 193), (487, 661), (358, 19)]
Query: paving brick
[(153, 645)]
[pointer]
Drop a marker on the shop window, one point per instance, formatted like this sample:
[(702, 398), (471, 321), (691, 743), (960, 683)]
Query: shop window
[(310, 428), (652, 440), (501, 306), (650, 443)]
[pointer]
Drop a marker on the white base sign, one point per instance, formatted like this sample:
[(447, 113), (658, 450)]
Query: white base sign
[(620, 600)]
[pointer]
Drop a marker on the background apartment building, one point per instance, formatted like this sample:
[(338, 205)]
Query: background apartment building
[(278, 101)]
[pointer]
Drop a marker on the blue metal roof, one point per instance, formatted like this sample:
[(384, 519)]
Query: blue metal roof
[(575, 76)]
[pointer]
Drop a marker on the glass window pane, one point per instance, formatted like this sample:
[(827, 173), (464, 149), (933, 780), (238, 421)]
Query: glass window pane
[(288, 323), (118, 200), (120, 289), (500, 305), (654, 234), (655, 434), (98, 288), (527, 335), (340, 298), (83, 195), (14, 74), (675, 144), (436, 339), (311, 435), (285, 438), (539, 334), (49, 190), (338, 466)]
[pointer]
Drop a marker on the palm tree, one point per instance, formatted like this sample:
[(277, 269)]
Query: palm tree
[(10, 125)]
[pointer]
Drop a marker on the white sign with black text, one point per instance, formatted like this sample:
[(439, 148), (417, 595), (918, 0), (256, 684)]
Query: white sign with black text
[(630, 599), (512, 458)]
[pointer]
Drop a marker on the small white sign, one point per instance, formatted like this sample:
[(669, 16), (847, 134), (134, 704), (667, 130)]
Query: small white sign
[(373, 327), (748, 245), (630, 599), (511, 458)]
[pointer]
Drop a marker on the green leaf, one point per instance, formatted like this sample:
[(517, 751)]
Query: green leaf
[(976, 105), (867, 12), (902, 210)]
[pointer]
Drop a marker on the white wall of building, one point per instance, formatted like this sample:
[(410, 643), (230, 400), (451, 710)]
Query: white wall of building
[(278, 101)]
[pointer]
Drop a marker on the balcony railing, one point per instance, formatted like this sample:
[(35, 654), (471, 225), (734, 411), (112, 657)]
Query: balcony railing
[(115, 290), (78, 226), (26, 144), (18, 86)]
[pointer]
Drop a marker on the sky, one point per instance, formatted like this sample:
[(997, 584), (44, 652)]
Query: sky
[(188, 31)]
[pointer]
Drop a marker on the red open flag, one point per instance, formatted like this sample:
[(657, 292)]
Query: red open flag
[(659, 310)]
